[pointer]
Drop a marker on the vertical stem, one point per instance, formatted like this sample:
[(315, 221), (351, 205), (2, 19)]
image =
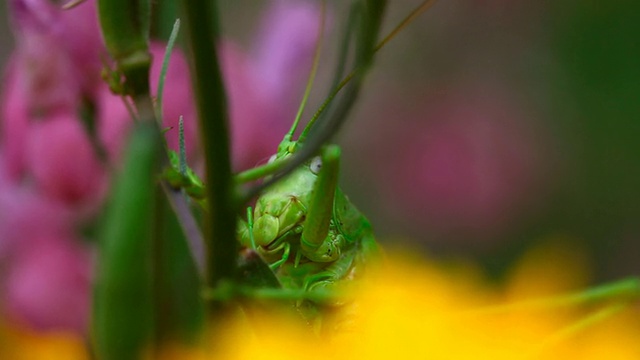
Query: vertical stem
[(201, 17), (157, 254)]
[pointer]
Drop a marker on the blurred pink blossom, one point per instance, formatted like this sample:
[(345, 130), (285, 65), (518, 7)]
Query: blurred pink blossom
[(40, 78), (46, 271), (50, 173), (63, 162), (49, 284), (264, 88), (257, 123), (466, 162), (82, 40), (114, 120), (284, 47), (40, 26), (26, 215)]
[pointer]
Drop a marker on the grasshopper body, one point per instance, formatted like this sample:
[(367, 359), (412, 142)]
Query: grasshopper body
[(307, 230)]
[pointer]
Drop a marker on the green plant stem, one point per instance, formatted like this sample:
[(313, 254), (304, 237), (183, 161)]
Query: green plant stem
[(621, 290), (222, 248), (165, 67)]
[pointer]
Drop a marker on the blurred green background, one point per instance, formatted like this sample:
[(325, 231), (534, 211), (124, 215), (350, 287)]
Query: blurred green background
[(489, 126)]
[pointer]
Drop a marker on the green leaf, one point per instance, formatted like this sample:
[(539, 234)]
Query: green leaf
[(123, 309)]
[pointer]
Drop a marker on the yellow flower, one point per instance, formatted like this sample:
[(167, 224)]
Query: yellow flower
[(18, 343), (413, 309)]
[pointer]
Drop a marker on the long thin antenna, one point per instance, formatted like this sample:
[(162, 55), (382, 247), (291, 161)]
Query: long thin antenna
[(407, 20), (312, 74), (288, 164)]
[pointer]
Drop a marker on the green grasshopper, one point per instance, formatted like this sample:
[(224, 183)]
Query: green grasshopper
[(303, 227), (306, 229), (313, 242)]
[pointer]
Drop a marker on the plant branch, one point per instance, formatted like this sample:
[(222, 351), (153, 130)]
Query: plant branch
[(201, 15)]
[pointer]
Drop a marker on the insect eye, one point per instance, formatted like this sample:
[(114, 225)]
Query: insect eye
[(316, 165)]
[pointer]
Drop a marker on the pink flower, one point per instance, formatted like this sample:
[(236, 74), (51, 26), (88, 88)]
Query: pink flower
[(63, 163), (82, 40), (75, 33), (464, 164), (15, 122), (49, 284), (261, 89), (257, 124), (25, 215), (284, 48), (265, 89), (45, 73), (46, 272), (50, 173), (114, 121)]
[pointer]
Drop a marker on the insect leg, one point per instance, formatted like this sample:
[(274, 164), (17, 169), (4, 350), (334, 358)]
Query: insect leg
[(316, 226), (285, 257), (332, 274), (250, 227)]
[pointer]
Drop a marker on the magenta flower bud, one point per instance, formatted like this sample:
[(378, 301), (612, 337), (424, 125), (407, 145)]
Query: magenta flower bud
[(63, 162), (83, 43), (15, 122), (55, 61), (48, 77), (26, 215), (41, 24), (34, 15), (48, 285)]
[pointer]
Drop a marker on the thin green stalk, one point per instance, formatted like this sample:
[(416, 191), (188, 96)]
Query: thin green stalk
[(574, 329), (271, 168), (371, 13), (622, 290), (424, 6), (222, 248), (165, 67)]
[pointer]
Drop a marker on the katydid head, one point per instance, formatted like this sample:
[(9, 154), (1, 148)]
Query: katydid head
[(284, 207), (282, 213)]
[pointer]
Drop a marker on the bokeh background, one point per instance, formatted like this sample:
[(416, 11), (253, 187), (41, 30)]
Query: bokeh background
[(488, 127)]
